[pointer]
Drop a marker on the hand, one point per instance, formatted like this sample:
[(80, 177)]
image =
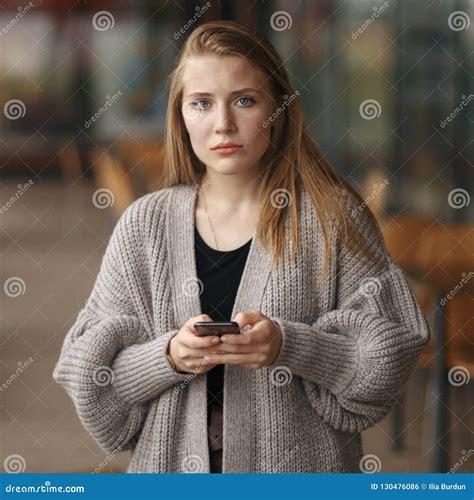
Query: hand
[(255, 348), (189, 351)]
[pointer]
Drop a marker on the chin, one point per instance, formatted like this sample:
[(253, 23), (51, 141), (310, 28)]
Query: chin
[(227, 167)]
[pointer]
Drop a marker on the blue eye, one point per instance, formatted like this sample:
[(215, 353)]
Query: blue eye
[(197, 105), (248, 99)]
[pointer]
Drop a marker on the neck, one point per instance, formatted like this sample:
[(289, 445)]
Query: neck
[(230, 193)]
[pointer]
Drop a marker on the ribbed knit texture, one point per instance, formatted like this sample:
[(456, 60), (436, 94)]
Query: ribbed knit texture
[(349, 344)]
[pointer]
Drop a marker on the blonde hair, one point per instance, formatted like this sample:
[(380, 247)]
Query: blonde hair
[(293, 162)]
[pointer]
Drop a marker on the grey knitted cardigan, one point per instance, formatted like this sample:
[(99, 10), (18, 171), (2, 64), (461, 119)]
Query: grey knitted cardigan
[(349, 344)]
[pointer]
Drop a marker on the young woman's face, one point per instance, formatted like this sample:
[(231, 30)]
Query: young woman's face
[(217, 110)]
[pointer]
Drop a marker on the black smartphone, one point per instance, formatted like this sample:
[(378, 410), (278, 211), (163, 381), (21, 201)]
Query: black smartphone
[(205, 328)]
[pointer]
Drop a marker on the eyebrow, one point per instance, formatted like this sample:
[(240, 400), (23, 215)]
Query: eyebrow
[(234, 92)]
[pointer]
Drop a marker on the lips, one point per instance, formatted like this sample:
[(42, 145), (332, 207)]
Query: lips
[(229, 145), (231, 150)]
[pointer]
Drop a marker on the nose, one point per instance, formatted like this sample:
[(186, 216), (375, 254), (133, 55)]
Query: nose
[(225, 121)]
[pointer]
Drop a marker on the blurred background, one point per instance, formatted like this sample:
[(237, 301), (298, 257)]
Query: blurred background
[(387, 89)]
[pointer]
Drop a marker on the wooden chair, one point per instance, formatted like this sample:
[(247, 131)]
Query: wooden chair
[(110, 175), (143, 161), (69, 162), (436, 256)]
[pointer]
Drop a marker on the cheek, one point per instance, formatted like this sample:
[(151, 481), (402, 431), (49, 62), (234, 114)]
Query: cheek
[(255, 131), (193, 123), (197, 132)]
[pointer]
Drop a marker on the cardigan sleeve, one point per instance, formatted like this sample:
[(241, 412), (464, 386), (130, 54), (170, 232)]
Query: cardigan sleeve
[(110, 364), (356, 359)]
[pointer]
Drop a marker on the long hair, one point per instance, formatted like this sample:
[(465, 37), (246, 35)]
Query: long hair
[(292, 162)]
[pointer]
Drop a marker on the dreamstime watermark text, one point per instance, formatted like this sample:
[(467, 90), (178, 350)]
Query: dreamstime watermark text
[(108, 103), (377, 12), (191, 22), (22, 188), (22, 11)]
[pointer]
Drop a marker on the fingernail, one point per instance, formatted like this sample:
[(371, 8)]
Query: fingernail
[(215, 341), (223, 339)]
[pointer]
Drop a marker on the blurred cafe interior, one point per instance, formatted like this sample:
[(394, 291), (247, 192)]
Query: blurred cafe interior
[(387, 90)]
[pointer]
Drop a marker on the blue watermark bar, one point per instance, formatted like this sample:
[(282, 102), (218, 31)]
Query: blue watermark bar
[(238, 486)]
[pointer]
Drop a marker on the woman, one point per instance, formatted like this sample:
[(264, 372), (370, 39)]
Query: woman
[(330, 328)]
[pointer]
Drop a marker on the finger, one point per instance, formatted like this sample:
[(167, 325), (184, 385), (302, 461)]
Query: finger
[(193, 341), (248, 318), (233, 359), (245, 338), (197, 354), (231, 349), (236, 339), (195, 319)]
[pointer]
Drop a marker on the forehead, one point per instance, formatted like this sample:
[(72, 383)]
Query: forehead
[(220, 75)]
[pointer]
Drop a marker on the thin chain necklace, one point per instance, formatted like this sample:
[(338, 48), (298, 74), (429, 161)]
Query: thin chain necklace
[(209, 221), (210, 225)]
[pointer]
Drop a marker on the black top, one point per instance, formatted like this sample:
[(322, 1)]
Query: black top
[(220, 273)]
